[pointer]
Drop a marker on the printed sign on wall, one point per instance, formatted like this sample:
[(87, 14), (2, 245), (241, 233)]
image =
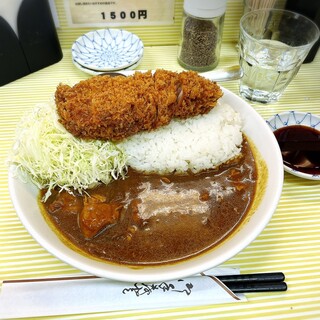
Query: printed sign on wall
[(119, 12)]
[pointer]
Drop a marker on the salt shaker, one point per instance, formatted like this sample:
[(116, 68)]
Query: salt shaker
[(201, 34)]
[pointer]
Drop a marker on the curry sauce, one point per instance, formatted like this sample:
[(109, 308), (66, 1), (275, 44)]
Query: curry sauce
[(149, 219)]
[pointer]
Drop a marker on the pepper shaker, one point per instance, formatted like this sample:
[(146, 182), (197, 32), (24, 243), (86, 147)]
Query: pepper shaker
[(201, 34)]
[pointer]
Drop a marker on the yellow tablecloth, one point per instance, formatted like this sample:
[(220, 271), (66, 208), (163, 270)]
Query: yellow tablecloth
[(290, 243)]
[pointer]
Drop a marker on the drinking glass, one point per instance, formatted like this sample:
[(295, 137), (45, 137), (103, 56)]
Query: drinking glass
[(273, 44)]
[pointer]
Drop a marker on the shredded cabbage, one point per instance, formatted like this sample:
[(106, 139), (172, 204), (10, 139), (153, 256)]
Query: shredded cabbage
[(47, 154)]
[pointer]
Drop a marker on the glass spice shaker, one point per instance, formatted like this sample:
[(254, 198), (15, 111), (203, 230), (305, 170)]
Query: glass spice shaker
[(201, 34)]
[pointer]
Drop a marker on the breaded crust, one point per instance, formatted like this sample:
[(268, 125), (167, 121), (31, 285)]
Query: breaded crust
[(114, 108)]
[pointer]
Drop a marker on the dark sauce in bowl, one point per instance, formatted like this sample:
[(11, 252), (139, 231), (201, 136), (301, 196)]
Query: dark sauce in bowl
[(300, 148)]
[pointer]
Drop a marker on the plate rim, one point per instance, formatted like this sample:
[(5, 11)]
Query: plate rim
[(97, 73)]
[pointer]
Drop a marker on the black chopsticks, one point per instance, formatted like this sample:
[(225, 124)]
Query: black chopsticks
[(256, 282), (240, 283)]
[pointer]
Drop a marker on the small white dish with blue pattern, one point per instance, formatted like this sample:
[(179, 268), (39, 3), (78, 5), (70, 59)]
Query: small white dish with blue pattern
[(96, 73), (107, 49), (289, 118)]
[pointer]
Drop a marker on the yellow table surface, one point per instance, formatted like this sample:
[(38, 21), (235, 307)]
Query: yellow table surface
[(290, 243)]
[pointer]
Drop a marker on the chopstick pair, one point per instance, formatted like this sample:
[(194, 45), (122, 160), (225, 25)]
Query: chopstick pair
[(241, 283), (257, 282)]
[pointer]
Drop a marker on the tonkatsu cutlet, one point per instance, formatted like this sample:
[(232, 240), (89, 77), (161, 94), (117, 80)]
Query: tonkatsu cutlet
[(114, 108)]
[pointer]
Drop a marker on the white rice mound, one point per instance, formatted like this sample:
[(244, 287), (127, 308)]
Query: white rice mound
[(195, 144)]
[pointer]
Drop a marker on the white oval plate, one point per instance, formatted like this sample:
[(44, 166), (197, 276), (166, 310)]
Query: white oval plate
[(290, 118), (24, 198), (107, 49)]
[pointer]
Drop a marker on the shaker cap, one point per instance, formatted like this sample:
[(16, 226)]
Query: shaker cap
[(205, 8)]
